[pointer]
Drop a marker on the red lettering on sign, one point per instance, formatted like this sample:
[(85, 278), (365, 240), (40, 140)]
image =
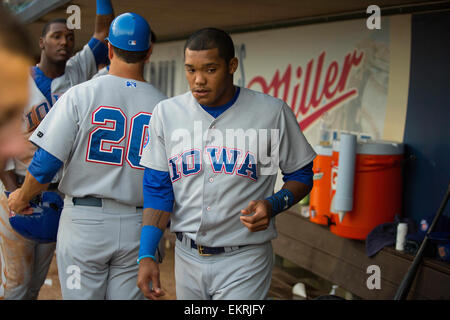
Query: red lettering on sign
[(321, 98)]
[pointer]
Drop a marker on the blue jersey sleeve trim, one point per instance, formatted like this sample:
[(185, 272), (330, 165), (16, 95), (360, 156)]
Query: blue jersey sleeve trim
[(104, 7), (44, 166), (304, 175), (158, 191), (43, 83), (99, 49), (217, 111)]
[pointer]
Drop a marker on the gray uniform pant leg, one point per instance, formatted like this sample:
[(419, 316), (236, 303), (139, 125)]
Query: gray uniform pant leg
[(43, 255), (242, 274), (97, 253), (31, 264), (123, 270), (25, 263)]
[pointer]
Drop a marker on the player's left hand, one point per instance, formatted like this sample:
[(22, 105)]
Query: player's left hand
[(17, 204), (260, 219)]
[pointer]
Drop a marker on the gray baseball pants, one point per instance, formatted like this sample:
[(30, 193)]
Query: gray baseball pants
[(242, 274), (97, 249)]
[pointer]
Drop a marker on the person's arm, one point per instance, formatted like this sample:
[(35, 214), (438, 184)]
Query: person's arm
[(84, 65), (8, 176), (18, 201), (158, 204), (41, 170), (103, 19), (297, 186), (9, 180)]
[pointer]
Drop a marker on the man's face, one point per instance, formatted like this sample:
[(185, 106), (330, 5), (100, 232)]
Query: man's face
[(209, 76), (58, 43), (13, 98)]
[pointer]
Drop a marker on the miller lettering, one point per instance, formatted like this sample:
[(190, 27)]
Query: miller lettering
[(313, 103)]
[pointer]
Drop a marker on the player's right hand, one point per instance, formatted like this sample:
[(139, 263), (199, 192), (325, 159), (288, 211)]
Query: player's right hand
[(260, 220), (17, 204), (149, 275)]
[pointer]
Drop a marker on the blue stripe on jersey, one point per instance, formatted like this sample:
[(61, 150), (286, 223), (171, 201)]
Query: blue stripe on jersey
[(158, 191), (43, 82), (217, 111), (99, 49), (304, 175), (44, 166)]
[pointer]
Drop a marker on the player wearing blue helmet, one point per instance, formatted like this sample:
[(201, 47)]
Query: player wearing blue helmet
[(96, 132)]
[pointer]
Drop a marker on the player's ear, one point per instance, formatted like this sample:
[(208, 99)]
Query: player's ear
[(232, 65), (149, 53), (41, 43), (110, 51)]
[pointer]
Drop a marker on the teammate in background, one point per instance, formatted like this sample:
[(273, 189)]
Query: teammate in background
[(15, 61), (56, 72), (97, 130), (218, 197)]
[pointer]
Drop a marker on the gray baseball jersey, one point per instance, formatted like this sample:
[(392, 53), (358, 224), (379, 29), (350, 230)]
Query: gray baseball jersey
[(97, 129), (81, 67), (217, 165), (102, 72)]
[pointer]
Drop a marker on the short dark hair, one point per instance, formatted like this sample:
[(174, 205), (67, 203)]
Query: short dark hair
[(152, 36), (48, 24), (130, 56), (13, 35), (210, 38)]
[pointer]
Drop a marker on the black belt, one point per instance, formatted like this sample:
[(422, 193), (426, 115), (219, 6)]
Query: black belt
[(90, 202), (87, 201), (202, 250)]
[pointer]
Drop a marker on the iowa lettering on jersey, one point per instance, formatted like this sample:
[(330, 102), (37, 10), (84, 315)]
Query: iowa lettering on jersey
[(222, 160), (38, 112)]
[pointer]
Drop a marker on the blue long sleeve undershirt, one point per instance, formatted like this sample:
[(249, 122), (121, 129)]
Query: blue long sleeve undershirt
[(44, 166)]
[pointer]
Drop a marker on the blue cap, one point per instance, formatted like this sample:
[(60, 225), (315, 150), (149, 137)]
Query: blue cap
[(130, 32)]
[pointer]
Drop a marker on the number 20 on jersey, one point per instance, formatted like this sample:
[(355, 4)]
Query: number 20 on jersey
[(105, 143)]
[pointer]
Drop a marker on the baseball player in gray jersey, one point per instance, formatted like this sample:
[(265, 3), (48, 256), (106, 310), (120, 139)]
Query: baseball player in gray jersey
[(96, 130), (56, 72), (219, 193)]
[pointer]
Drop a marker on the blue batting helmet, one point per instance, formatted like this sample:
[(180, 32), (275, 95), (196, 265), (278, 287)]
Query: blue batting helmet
[(130, 32), (42, 225)]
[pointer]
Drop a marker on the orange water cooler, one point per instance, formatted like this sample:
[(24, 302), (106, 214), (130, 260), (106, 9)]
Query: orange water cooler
[(320, 196), (377, 189)]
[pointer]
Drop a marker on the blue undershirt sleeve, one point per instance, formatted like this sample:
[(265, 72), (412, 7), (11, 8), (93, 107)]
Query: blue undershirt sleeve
[(304, 175), (99, 49), (104, 7), (44, 166), (158, 191)]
